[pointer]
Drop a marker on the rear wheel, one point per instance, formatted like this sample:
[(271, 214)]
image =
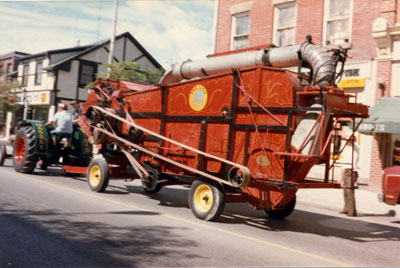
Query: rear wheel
[(98, 176), (282, 213), (3, 153), (206, 201), (24, 158)]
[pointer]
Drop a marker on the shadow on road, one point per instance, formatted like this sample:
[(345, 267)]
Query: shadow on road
[(49, 238), (355, 229), (168, 197), (313, 223), (300, 221)]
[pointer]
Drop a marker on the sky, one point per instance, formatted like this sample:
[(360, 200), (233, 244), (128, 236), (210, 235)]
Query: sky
[(171, 31)]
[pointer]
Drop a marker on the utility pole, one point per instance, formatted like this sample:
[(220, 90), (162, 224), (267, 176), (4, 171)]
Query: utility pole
[(112, 40)]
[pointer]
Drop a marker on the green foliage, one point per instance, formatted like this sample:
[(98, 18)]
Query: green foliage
[(129, 71), (5, 95)]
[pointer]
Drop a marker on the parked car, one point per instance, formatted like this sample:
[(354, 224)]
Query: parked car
[(391, 186)]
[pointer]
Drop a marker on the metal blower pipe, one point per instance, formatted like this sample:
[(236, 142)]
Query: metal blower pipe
[(316, 56)]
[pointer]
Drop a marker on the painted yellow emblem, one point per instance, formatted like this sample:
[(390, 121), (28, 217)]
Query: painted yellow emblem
[(262, 160), (198, 97)]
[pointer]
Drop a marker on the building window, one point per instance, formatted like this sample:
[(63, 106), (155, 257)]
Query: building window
[(87, 73), (1, 73), (240, 30), (9, 68), (338, 13), (284, 24), (25, 75), (38, 73)]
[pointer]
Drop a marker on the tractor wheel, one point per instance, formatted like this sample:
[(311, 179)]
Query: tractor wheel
[(3, 153), (206, 201), (98, 176), (282, 213), (151, 185), (24, 158)]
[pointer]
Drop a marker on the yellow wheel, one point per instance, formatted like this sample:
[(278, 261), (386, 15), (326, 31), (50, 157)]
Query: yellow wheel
[(206, 201), (97, 175), (203, 198)]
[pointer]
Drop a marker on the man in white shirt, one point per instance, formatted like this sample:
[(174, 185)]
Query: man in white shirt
[(62, 120)]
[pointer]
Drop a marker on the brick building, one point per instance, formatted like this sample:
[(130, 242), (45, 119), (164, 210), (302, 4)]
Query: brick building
[(367, 26)]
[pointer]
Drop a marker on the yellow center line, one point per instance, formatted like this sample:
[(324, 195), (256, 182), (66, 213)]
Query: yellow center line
[(97, 196)]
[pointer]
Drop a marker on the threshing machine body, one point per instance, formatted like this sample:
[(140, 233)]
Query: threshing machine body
[(255, 131)]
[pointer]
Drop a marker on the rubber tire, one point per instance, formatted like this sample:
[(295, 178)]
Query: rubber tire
[(3, 152), (29, 160), (152, 186), (218, 201), (282, 213), (98, 167)]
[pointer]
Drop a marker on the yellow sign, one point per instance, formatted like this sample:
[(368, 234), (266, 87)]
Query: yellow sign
[(198, 97), (43, 97), (352, 82), (262, 160)]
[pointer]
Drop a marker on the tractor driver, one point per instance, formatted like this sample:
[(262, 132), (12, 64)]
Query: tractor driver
[(62, 120)]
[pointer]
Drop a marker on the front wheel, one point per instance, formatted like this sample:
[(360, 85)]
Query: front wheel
[(98, 175), (206, 201), (282, 213), (24, 157)]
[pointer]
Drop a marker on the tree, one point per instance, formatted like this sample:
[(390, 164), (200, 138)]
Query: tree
[(130, 71), (7, 96)]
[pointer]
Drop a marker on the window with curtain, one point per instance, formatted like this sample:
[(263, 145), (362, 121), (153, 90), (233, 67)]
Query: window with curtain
[(240, 30), (338, 21), (285, 24)]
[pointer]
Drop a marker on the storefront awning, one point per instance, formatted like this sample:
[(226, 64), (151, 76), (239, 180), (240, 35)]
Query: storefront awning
[(384, 117)]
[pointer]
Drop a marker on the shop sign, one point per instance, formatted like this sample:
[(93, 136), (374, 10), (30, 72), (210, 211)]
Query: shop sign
[(33, 98), (372, 127), (352, 83)]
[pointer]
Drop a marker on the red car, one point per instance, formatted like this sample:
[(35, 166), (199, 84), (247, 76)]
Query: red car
[(391, 186)]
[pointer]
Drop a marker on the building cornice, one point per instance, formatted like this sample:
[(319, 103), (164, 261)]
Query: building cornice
[(384, 36)]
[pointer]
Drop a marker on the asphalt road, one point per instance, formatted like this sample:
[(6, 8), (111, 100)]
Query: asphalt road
[(48, 220)]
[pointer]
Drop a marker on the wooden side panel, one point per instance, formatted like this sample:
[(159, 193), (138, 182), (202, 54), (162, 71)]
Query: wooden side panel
[(205, 97), (216, 143), (145, 102), (186, 133)]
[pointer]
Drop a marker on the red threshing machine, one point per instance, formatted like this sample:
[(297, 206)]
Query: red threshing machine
[(236, 126)]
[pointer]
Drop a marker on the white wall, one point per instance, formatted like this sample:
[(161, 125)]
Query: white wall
[(68, 81)]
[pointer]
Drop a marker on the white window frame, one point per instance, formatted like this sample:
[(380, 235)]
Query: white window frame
[(327, 20), (235, 36), (25, 74), (38, 73), (277, 29), (395, 80)]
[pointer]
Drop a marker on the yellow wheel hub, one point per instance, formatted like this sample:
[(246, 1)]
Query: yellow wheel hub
[(203, 198), (94, 175)]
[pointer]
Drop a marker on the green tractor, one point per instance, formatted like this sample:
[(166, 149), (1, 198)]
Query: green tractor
[(33, 145)]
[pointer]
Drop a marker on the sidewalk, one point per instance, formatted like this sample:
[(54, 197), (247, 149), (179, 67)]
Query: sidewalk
[(366, 201)]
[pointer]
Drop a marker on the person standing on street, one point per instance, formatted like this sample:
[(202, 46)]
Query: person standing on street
[(347, 182)]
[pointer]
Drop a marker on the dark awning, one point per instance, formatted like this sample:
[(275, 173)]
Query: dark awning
[(384, 117)]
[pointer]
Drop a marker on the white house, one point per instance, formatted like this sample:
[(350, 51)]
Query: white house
[(55, 76)]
